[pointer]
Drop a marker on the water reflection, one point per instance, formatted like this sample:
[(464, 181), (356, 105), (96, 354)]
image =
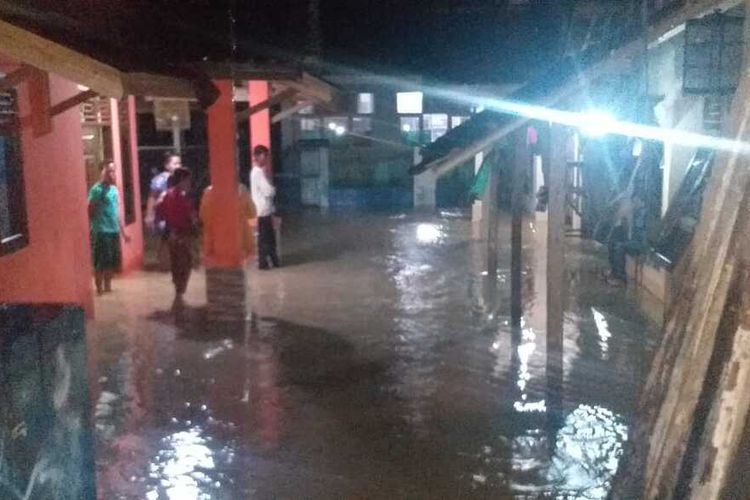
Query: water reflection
[(602, 328), (587, 451), (429, 233), (180, 467)]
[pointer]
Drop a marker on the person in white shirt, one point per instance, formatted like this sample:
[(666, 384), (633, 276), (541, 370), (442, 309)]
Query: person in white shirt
[(263, 192)]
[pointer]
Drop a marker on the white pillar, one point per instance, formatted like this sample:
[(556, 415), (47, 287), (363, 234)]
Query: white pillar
[(425, 185), (476, 208)]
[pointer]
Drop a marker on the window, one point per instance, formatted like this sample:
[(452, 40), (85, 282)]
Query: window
[(127, 164), (456, 121), (13, 230), (365, 103), (361, 125), (435, 125), (410, 129), (310, 128), (409, 103)]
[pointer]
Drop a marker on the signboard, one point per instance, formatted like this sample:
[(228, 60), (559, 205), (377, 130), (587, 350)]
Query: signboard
[(171, 112)]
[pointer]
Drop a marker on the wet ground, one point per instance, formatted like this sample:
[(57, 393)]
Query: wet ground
[(379, 364)]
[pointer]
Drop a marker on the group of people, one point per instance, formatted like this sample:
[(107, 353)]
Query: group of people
[(171, 214)]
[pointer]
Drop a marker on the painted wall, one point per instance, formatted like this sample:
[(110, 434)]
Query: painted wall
[(55, 266)]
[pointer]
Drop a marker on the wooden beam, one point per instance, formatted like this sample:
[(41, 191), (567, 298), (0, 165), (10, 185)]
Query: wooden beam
[(51, 57), (152, 85), (70, 102), (275, 99), (16, 77), (313, 87), (281, 115), (39, 103)]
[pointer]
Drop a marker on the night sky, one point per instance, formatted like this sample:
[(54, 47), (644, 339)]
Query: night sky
[(467, 41)]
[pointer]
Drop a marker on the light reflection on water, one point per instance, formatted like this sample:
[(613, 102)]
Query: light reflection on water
[(180, 467), (587, 451)]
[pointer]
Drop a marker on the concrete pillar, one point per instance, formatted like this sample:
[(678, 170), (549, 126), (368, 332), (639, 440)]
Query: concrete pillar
[(425, 185), (520, 167), (556, 274), (225, 269), (476, 207)]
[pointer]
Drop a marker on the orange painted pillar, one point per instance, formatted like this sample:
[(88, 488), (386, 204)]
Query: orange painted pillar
[(260, 122), (226, 283), (224, 179)]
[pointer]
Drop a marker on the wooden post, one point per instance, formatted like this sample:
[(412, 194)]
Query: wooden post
[(520, 164), (490, 201), (555, 268)]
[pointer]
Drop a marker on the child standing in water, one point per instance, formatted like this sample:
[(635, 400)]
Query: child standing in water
[(177, 210)]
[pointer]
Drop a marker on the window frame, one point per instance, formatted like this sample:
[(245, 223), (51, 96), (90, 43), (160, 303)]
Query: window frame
[(16, 199)]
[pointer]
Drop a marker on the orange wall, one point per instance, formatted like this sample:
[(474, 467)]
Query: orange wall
[(56, 264), (132, 252)]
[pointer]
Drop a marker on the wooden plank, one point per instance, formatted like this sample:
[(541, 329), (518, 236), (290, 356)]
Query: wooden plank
[(674, 385), (71, 102), (283, 114), (46, 55), (725, 425), (39, 103), (556, 272), (520, 167), (275, 99)]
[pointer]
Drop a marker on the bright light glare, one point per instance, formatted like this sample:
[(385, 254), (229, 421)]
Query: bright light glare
[(332, 126), (596, 123), (406, 128), (340, 130), (429, 233)]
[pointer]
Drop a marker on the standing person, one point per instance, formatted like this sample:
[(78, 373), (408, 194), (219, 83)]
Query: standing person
[(177, 210), (106, 228), (159, 185), (263, 192)]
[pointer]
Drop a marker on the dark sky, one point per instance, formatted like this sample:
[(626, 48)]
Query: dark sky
[(448, 40)]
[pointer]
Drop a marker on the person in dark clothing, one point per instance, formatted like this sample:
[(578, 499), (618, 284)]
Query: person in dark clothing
[(177, 210)]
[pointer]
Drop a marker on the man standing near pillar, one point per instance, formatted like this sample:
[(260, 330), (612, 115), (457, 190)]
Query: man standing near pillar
[(263, 192)]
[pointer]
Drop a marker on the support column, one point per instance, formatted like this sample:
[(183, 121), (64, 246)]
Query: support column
[(490, 204), (225, 272), (260, 121), (258, 91), (520, 166), (476, 207), (555, 268)]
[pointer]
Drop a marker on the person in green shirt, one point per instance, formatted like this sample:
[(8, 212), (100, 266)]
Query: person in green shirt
[(106, 228)]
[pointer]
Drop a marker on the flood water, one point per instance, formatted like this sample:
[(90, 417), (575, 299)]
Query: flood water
[(379, 364)]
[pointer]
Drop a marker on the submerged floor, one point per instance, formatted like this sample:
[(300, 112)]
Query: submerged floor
[(380, 364)]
